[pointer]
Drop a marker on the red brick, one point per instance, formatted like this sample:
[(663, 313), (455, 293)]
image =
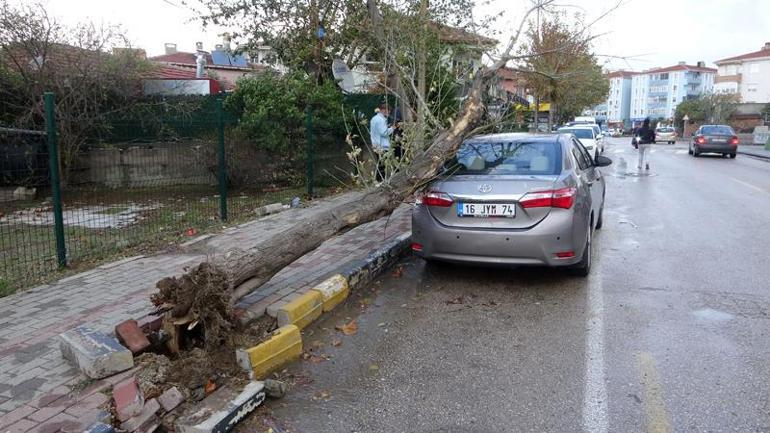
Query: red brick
[(15, 415), (87, 405), (150, 323), (171, 399), (61, 423), (46, 413), (141, 420), (131, 336), (129, 399)]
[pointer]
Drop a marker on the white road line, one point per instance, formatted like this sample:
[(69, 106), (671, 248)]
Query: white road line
[(595, 389), (681, 152), (755, 188)]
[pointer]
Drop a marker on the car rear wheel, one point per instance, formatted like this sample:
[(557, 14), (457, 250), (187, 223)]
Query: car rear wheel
[(695, 151), (732, 155), (583, 267), (689, 150)]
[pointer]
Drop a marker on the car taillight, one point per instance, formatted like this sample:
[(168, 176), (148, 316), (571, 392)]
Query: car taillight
[(734, 141), (700, 140), (416, 247), (435, 198), (561, 198)]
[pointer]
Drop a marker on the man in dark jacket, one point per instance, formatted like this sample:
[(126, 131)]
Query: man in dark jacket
[(644, 136)]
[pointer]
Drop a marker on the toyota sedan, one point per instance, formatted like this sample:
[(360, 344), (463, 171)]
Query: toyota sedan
[(513, 199)]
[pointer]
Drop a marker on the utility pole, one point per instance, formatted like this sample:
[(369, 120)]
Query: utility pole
[(422, 74)]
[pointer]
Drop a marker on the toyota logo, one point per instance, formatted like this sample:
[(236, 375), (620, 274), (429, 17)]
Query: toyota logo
[(485, 188)]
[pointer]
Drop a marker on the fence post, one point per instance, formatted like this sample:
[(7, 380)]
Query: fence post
[(222, 161), (310, 152), (53, 167)]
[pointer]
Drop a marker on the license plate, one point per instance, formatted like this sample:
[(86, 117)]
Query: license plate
[(719, 140), (486, 210)]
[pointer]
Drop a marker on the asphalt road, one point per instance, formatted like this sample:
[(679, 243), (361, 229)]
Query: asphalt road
[(670, 332)]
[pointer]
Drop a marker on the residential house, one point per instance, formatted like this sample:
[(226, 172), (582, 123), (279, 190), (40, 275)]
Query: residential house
[(219, 64), (619, 99), (656, 93), (172, 80), (509, 86), (747, 75)]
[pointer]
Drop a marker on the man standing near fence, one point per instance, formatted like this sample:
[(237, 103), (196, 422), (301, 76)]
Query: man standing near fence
[(380, 133)]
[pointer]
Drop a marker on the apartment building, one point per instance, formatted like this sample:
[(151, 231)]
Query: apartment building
[(619, 99), (746, 74), (656, 93)]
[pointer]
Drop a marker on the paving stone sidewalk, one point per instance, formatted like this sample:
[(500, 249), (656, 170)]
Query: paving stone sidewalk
[(756, 150), (35, 381)]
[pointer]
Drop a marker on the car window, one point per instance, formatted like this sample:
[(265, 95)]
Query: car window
[(717, 130), (586, 154), (579, 132), (666, 130), (579, 156), (501, 158)]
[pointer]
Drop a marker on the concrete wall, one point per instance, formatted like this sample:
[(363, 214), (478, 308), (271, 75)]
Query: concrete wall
[(150, 165)]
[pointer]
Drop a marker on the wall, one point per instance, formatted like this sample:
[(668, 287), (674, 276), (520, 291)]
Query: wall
[(755, 84)]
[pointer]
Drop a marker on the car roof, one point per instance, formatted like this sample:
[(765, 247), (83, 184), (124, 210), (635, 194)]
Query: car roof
[(583, 126), (513, 136)]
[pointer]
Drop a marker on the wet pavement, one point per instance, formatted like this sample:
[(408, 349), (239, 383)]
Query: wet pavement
[(669, 333)]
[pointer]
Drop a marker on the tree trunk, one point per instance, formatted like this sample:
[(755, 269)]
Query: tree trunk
[(264, 260)]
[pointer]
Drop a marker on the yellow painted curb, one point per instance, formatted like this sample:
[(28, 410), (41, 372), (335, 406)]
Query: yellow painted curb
[(285, 345), (334, 290), (302, 310)]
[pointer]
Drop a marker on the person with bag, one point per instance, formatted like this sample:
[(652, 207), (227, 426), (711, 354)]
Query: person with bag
[(643, 138)]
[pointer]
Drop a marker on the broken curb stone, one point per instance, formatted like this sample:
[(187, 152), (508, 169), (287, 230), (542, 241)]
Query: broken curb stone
[(222, 410), (96, 354), (131, 335), (129, 399), (170, 399), (275, 388)]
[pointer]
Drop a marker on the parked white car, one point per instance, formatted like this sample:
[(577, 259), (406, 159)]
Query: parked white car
[(587, 136)]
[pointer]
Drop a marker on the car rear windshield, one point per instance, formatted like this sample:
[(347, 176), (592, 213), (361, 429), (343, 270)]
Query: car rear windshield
[(717, 130), (578, 132), (507, 158), (665, 129)]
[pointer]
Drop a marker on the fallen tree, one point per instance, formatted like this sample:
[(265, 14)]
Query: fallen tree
[(259, 263)]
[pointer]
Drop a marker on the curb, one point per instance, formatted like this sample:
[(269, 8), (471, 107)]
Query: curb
[(286, 343), (755, 155)]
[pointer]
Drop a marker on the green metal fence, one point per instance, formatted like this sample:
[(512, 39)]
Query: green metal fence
[(140, 193)]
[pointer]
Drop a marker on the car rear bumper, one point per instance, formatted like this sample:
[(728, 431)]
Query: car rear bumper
[(717, 148), (535, 246)]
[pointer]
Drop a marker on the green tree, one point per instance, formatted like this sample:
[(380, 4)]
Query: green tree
[(708, 108), (564, 72)]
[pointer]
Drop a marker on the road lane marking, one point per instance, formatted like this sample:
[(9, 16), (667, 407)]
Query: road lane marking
[(755, 188), (654, 406), (681, 152), (595, 389)]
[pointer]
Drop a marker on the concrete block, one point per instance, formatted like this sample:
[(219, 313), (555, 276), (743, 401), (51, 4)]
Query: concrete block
[(96, 354), (222, 410), (99, 427), (170, 399), (333, 290), (129, 399), (145, 419), (301, 311), (285, 345), (131, 335)]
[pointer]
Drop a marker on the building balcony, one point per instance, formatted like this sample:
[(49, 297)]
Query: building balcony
[(728, 79)]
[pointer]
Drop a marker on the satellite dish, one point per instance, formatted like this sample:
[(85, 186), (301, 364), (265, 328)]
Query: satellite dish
[(343, 76)]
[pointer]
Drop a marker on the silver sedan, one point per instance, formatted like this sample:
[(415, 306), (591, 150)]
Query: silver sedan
[(513, 199)]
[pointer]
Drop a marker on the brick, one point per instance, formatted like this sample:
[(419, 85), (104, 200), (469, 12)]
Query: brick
[(129, 399), (87, 405), (20, 426), (46, 413), (222, 410), (15, 415), (61, 423), (94, 353), (170, 399), (147, 415), (283, 346), (150, 323), (131, 335)]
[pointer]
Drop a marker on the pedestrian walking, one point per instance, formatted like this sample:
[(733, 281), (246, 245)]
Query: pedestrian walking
[(380, 132), (643, 138)]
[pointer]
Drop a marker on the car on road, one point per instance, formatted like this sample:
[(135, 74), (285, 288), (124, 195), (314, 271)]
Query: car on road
[(587, 135), (665, 133), (513, 199), (714, 139)]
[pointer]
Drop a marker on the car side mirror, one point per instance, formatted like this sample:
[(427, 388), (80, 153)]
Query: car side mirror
[(602, 161)]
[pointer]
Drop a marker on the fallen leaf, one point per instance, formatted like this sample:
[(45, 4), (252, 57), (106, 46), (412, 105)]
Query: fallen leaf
[(374, 367), (398, 272), (348, 328), (210, 387), (336, 343), (381, 324), (191, 232)]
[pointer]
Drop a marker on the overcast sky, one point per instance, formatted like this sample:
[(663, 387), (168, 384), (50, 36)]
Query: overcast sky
[(654, 32)]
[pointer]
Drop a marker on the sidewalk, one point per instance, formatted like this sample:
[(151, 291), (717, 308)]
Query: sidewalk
[(758, 151), (34, 378)]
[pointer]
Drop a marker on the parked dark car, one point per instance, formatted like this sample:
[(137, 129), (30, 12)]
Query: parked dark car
[(513, 199), (714, 139)]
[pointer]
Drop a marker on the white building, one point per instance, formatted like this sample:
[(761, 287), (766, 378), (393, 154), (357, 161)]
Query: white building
[(657, 92), (747, 75), (619, 98)]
